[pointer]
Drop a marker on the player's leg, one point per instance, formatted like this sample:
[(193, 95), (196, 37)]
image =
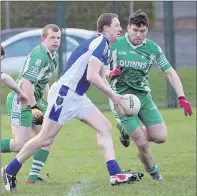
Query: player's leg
[(157, 133), (21, 122), (153, 133), (55, 116), (21, 136), (155, 128), (40, 156), (132, 127), (143, 149), (97, 121), (44, 138), (124, 137), (39, 159), (94, 118)]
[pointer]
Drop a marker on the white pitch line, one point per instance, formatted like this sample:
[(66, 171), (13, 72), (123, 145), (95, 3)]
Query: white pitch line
[(77, 189)]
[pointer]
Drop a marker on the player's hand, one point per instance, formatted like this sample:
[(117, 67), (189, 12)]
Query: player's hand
[(118, 103), (186, 105), (37, 115), (116, 72), (22, 98)]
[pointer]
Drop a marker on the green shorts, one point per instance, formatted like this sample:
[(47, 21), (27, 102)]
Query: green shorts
[(149, 114), (19, 116)]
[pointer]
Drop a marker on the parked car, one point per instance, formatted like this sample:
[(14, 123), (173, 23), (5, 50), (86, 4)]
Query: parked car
[(79, 35), (19, 46), (7, 33)]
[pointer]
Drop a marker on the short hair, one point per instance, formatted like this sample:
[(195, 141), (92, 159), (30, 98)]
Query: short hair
[(139, 18), (2, 51), (105, 19), (53, 27)]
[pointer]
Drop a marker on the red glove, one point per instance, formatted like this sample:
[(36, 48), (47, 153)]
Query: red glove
[(116, 72), (187, 106)]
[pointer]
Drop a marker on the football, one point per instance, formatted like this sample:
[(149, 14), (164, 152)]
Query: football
[(132, 104)]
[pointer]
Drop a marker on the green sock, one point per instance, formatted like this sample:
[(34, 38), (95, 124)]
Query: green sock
[(5, 145), (39, 160), (154, 170)]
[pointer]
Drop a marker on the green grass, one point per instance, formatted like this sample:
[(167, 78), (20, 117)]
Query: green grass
[(76, 167), (158, 85)]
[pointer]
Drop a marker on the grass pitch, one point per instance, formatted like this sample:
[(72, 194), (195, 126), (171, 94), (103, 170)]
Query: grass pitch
[(157, 83), (77, 168)]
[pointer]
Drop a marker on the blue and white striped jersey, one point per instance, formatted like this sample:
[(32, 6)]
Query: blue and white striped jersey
[(75, 72)]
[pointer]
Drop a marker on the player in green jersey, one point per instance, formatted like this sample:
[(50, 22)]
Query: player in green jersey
[(131, 59), (33, 78)]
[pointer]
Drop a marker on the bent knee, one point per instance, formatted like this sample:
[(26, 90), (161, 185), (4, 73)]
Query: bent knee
[(44, 141), (160, 140), (158, 133)]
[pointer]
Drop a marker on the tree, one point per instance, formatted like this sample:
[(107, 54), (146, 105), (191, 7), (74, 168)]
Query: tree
[(78, 14)]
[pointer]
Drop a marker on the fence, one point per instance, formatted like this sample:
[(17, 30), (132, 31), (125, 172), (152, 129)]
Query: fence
[(185, 53)]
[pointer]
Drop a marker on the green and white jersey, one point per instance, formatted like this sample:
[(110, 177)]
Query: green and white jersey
[(39, 66), (135, 63)]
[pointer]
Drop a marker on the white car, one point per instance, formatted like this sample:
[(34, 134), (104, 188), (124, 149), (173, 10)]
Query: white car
[(79, 35), (19, 46)]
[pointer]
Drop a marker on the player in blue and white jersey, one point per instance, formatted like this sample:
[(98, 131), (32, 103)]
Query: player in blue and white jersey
[(67, 100)]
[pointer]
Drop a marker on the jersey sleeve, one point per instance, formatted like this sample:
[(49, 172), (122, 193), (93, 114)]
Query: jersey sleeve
[(34, 64), (100, 48), (161, 59)]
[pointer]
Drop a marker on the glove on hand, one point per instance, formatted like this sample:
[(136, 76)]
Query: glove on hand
[(116, 72), (186, 105)]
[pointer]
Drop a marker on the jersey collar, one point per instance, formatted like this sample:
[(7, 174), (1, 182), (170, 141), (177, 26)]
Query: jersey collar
[(134, 47), (48, 51), (104, 37)]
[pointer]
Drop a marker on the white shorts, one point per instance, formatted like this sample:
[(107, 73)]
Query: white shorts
[(64, 104)]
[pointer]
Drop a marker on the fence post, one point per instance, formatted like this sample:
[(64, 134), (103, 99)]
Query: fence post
[(170, 49), (7, 14), (113, 6), (61, 22)]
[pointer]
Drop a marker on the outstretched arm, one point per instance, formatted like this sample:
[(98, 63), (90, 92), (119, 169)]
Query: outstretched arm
[(175, 81), (9, 82)]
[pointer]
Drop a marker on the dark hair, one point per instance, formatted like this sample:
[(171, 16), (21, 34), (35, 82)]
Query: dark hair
[(2, 51), (105, 19), (139, 18), (53, 27)]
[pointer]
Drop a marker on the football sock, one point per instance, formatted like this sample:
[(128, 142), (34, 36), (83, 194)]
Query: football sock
[(113, 167), (39, 160), (5, 145), (13, 167), (154, 170)]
